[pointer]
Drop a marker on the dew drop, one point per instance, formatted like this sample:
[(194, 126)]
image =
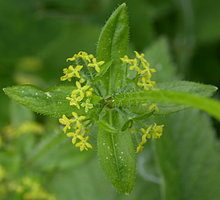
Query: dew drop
[(106, 158), (48, 94), (36, 93)]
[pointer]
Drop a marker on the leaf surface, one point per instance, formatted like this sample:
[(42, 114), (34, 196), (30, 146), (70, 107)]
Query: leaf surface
[(112, 45), (187, 157), (116, 154), (169, 97), (51, 101)]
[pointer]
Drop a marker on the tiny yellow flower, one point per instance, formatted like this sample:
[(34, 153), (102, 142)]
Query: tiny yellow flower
[(139, 148), (82, 80), (125, 59), (73, 101), (83, 144), (71, 59), (139, 56), (74, 135), (144, 62), (157, 131), (85, 56), (80, 91), (87, 105), (147, 85), (153, 107), (71, 72), (89, 92), (96, 64), (65, 121), (146, 131), (77, 120), (146, 135), (136, 68)]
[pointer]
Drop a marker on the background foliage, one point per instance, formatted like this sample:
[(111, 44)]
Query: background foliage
[(179, 37)]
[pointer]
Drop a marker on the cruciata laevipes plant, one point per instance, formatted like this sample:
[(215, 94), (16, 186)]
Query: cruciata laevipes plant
[(112, 99)]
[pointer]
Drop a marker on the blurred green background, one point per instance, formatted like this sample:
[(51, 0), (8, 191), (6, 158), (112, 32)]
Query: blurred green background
[(36, 37)]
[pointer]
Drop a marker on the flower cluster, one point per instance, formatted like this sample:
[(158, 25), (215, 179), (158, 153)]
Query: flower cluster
[(153, 131), (144, 74), (79, 97), (142, 67)]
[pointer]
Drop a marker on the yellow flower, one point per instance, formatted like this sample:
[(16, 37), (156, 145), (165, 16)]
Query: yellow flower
[(77, 120), (81, 54), (71, 72), (146, 132), (89, 92), (96, 64), (85, 56), (87, 105), (144, 138), (157, 131), (153, 107), (83, 144), (125, 59), (79, 93), (136, 68), (139, 148), (74, 135), (146, 84), (139, 56), (144, 62), (72, 58), (67, 122), (73, 101)]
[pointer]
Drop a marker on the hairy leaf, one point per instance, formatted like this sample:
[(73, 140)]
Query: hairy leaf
[(189, 87), (167, 97), (112, 45), (182, 86), (187, 157), (51, 101), (116, 154)]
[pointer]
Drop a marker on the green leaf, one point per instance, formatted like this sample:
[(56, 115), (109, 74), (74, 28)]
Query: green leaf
[(116, 154), (112, 45), (167, 97), (115, 149), (51, 101), (189, 87), (187, 157)]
